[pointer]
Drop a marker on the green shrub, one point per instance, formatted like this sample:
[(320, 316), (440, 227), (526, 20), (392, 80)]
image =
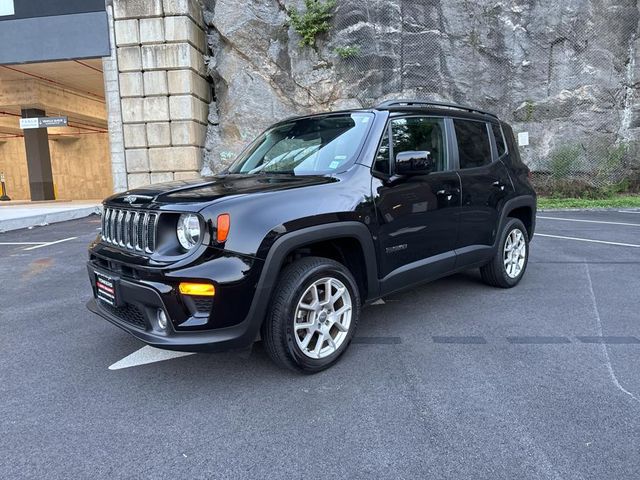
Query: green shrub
[(314, 21), (529, 110), (563, 161), (612, 162), (578, 188), (349, 51)]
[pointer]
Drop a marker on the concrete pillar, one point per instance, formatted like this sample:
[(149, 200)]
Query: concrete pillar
[(163, 88), (36, 142), (113, 93)]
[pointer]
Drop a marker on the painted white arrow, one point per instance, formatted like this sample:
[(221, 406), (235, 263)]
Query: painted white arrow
[(147, 355)]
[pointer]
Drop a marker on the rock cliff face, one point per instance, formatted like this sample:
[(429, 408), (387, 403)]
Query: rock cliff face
[(563, 71)]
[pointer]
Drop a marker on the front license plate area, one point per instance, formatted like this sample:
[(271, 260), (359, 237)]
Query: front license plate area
[(107, 289)]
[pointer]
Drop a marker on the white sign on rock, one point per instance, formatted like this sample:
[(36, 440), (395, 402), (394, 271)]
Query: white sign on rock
[(523, 139), (7, 8)]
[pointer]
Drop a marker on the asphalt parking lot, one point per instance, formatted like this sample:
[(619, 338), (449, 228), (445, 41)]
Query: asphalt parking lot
[(451, 380)]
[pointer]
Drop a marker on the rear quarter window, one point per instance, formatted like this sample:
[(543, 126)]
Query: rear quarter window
[(474, 148)]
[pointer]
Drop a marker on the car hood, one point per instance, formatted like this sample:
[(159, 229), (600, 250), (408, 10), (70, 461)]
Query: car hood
[(204, 190)]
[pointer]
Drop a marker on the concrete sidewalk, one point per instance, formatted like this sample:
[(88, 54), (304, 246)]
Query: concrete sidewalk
[(18, 214)]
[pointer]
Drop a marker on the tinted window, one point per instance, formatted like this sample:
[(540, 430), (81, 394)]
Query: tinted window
[(421, 134), (474, 148), (381, 163), (497, 132)]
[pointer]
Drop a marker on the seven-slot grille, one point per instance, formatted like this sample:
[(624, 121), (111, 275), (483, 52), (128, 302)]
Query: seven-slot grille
[(130, 229)]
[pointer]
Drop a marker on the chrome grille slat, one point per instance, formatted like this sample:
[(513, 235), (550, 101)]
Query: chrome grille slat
[(103, 228), (141, 232), (120, 228), (112, 229), (129, 229), (135, 243), (145, 229), (151, 233)]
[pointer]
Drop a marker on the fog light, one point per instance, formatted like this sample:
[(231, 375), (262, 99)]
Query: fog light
[(162, 319)]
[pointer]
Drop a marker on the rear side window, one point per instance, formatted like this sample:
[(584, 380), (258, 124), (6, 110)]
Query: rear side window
[(474, 148), (497, 132)]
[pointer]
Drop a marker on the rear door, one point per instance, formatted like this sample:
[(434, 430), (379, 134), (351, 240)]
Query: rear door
[(485, 186), (417, 215)]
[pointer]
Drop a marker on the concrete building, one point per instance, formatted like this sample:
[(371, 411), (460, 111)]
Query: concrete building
[(129, 78)]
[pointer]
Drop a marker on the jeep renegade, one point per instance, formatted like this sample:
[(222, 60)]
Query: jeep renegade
[(320, 215)]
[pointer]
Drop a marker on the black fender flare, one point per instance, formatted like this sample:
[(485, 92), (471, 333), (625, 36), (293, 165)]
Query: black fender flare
[(288, 242), (510, 205)]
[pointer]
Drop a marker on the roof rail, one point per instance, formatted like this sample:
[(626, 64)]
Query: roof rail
[(410, 103)]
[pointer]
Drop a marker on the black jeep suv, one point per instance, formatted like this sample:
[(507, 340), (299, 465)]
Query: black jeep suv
[(319, 216)]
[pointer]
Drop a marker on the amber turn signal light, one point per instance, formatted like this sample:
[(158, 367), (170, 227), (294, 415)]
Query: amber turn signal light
[(222, 227), (198, 289)]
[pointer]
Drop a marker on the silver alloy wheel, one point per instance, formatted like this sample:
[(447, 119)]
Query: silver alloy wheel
[(322, 318), (515, 251)]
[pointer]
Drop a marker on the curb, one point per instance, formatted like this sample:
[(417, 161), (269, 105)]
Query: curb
[(41, 219)]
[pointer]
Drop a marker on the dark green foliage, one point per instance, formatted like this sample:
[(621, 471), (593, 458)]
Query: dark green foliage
[(349, 51), (314, 21)]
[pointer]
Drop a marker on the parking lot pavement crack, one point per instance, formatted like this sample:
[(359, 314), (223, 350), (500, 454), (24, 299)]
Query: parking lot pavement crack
[(605, 349)]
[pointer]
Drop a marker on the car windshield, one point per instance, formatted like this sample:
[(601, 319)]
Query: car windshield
[(307, 146)]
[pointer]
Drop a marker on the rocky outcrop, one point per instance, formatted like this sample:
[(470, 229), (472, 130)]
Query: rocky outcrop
[(563, 71)]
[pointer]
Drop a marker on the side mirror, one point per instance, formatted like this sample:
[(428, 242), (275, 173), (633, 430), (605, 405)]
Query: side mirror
[(414, 163)]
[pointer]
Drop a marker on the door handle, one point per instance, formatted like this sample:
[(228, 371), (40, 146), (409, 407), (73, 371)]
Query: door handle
[(448, 191), (498, 184)]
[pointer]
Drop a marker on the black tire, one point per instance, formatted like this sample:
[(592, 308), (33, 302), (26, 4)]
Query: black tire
[(278, 327), (494, 273)]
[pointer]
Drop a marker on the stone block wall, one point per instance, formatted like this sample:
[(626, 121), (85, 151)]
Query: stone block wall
[(164, 94)]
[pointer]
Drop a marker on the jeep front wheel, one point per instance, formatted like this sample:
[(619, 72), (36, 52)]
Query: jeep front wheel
[(313, 315)]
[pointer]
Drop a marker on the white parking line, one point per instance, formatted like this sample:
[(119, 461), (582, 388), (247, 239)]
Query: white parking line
[(590, 221), (21, 243), (147, 355), (587, 240), (51, 243)]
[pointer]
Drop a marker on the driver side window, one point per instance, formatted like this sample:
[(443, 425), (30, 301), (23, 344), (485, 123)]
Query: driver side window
[(421, 134)]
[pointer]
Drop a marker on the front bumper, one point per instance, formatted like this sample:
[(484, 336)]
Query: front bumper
[(140, 300), (230, 338)]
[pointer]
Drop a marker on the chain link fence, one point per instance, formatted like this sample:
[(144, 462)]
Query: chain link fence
[(563, 72)]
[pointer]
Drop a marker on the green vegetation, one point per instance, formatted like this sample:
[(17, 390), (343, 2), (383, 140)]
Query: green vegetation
[(314, 21), (529, 110), (581, 188), (613, 157), (474, 39), (620, 201), (563, 161), (349, 51)]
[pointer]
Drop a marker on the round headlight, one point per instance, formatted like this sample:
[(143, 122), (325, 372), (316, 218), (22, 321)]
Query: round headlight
[(188, 230)]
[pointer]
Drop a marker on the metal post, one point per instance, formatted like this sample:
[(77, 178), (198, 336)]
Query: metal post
[(4, 197), (36, 142)]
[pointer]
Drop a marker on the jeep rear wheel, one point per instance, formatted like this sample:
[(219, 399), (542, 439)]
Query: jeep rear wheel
[(313, 315), (507, 267)]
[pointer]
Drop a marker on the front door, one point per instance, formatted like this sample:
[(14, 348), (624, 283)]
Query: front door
[(417, 214)]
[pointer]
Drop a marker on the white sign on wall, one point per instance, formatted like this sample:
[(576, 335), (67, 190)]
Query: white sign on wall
[(523, 139), (43, 122), (7, 8), (29, 123)]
